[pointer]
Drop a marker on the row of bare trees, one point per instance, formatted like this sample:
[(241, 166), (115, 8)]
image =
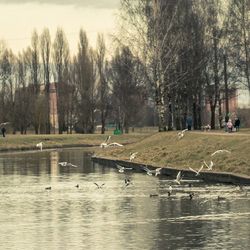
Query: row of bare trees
[(172, 57), (193, 52), (87, 85)]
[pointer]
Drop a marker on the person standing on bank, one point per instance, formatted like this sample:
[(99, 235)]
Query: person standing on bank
[(237, 123), (3, 131), (189, 122)]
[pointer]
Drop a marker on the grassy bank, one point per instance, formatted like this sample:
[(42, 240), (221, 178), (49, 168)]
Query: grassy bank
[(164, 149), (28, 142), (159, 149)]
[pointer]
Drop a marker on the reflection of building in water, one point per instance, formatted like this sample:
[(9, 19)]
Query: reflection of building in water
[(53, 108), (54, 158)]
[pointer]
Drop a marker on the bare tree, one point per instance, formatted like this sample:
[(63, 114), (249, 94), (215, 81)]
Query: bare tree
[(61, 75), (45, 47), (103, 88), (84, 79)]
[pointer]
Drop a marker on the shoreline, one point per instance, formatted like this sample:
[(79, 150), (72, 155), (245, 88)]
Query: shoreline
[(217, 177)]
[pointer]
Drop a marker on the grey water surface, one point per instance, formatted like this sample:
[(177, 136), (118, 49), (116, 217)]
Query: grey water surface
[(114, 216)]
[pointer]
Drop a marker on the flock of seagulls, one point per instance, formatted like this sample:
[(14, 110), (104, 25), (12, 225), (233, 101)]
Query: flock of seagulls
[(150, 172)]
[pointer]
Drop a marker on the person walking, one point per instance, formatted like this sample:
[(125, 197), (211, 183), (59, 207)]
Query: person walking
[(229, 126), (237, 123), (189, 122), (3, 131)]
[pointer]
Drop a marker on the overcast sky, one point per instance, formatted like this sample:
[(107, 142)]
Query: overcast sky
[(20, 17)]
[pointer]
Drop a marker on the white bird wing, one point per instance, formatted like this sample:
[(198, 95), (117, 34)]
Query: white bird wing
[(193, 170), (178, 177), (115, 144), (72, 165), (183, 131), (211, 165), (220, 151), (4, 123), (128, 168), (63, 163), (108, 139), (146, 169), (158, 171), (119, 167), (200, 168), (103, 145)]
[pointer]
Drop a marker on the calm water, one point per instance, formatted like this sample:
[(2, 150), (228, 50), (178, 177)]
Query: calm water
[(113, 217)]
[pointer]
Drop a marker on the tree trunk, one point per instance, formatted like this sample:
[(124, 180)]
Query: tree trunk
[(212, 107)]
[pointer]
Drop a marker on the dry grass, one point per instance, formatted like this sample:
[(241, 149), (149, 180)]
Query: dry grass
[(25, 142), (159, 149), (164, 149)]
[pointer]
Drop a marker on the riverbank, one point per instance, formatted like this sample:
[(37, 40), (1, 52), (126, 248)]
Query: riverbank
[(156, 149), (166, 150), (28, 142)]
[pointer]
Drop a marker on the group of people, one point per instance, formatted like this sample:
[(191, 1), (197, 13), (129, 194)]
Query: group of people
[(230, 126)]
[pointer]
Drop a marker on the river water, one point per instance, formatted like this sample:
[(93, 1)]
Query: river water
[(139, 216)]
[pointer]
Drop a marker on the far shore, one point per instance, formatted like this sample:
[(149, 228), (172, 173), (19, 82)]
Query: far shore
[(157, 149)]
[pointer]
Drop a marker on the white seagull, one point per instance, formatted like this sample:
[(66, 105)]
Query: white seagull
[(197, 172), (40, 145), (4, 124), (220, 151), (210, 166), (149, 172), (132, 156), (66, 164), (181, 134), (113, 144), (105, 143), (178, 178), (121, 169)]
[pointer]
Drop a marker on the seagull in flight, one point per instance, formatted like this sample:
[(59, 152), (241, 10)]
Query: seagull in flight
[(157, 171), (132, 156), (121, 169), (66, 164), (178, 178), (181, 134), (99, 186), (210, 166), (197, 172), (105, 143), (113, 144), (220, 151), (127, 182), (149, 172), (4, 124), (40, 145)]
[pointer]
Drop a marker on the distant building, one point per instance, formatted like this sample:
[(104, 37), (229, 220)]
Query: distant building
[(54, 126), (239, 106)]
